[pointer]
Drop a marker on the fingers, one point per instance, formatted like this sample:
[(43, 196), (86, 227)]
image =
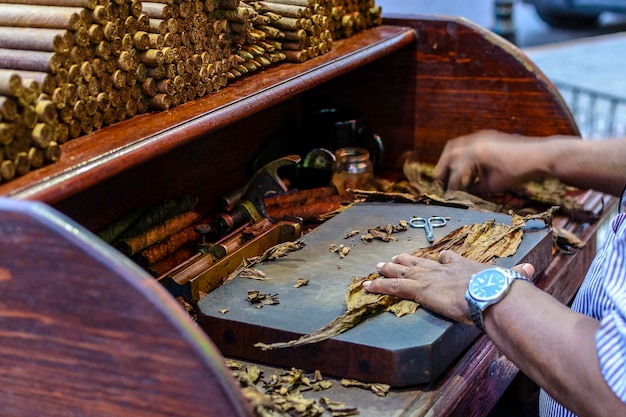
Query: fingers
[(400, 265), (399, 287), (448, 256), (526, 269)]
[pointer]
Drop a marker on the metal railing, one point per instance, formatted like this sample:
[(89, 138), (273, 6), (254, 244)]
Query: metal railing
[(598, 115)]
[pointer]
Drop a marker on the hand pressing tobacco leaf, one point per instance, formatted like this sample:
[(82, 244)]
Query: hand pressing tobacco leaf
[(484, 242)]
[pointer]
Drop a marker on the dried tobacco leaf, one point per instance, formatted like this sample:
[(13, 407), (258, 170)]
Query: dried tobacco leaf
[(339, 249), (379, 389), (253, 273), (260, 299), (272, 254), (351, 234), (338, 409), (565, 240), (383, 233), (551, 191), (359, 305), (301, 282)]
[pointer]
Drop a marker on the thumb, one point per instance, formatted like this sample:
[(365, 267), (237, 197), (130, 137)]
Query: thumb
[(525, 269)]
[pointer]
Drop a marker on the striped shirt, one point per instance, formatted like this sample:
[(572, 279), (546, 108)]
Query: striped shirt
[(603, 297)]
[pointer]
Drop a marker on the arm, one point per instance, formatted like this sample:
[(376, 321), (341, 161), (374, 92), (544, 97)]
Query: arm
[(491, 161), (550, 343)]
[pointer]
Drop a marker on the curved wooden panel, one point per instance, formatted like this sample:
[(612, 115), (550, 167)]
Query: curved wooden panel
[(468, 79), (83, 332)]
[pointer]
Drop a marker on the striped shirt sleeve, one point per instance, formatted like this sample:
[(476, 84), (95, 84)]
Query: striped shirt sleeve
[(611, 336)]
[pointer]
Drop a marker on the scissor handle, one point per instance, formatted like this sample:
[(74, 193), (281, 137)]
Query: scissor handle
[(417, 222), (428, 224), (437, 221)]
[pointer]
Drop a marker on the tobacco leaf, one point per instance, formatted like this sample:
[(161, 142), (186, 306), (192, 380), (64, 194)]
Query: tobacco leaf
[(301, 282), (552, 192), (338, 409), (260, 299), (252, 273), (565, 240), (480, 242), (280, 394), (359, 305), (420, 186), (271, 254), (379, 389)]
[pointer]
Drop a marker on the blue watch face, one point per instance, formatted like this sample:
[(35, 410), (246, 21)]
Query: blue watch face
[(487, 285)]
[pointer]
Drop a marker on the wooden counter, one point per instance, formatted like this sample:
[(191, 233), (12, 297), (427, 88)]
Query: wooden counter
[(419, 81)]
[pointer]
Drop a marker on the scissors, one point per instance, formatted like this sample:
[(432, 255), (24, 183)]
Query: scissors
[(428, 224)]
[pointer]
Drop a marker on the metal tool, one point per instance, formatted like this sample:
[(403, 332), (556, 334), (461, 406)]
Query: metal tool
[(428, 224), (222, 246), (251, 206)]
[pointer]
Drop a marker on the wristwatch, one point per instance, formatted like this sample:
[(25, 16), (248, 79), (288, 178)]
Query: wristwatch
[(486, 288)]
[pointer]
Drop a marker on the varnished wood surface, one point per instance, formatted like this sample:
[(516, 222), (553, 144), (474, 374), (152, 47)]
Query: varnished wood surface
[(93, 158), (86, 333)]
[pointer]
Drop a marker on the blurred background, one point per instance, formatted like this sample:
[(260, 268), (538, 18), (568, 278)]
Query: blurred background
[(585, 58)]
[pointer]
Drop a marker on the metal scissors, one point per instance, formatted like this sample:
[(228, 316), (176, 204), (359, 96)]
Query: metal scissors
[(428, 224)]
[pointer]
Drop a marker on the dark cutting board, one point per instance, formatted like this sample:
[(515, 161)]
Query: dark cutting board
[(404, 351)]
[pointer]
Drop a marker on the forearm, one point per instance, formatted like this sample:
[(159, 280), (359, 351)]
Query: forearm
[(597, 165), (553, 346)]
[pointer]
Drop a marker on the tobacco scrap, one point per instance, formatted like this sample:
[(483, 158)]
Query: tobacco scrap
[(351, 234), (338, 409), (480, 242), (383, 233), (280, 393), (253, 273), (565, 240), (301, 282), (275, 252), (189, 308), (379, 389), (552, 192), (259, 299), (339, 249)]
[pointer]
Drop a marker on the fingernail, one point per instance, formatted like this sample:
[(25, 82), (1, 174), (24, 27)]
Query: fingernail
[(366, 284), (393, 258), (528, 269), (380, 265)]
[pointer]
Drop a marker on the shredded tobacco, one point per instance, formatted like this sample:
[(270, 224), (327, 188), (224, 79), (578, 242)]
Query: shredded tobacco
[(280, 394)]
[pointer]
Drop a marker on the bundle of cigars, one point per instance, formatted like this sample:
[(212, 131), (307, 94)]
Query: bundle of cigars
[(70, 67)]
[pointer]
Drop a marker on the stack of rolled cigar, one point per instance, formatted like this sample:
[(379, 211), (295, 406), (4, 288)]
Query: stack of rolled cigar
[(297, 30), (27, 125), (189, 52), (253, 49), (70, 67), (350, 16)]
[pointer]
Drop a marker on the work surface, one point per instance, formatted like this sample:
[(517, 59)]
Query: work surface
[(399, 351)]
